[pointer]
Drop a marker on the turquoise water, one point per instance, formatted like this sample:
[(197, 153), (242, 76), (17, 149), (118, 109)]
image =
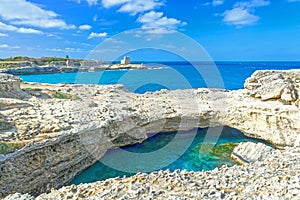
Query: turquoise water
[(177, 76), (193, 159)]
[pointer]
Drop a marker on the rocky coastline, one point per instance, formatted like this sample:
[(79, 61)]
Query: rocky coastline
[(275, 177), (31, 70), (54, 132)]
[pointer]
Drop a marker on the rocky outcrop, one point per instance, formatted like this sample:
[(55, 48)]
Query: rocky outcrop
[(65, 136), (31, 70), (268, 85), (249, 152), (10, 86), (275, 177), (28, 70)]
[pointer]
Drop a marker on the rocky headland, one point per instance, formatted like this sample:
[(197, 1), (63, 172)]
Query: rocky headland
[(52, 69), (51, 65), (50, 133)]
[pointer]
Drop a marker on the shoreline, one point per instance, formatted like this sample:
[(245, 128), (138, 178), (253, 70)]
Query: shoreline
[(34, 70), (63, 138)]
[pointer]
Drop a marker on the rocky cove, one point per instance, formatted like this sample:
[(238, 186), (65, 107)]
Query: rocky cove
[(57, 138)]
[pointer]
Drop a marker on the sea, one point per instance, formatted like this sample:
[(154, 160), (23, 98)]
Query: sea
[(170, 76)]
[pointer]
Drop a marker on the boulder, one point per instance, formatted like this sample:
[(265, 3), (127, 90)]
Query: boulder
[(10, 87), (249, 152), (267, 85)]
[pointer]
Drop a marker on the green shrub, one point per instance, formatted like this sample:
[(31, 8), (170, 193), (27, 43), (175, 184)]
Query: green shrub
[(9, 147), (61, 95), (32, 89)]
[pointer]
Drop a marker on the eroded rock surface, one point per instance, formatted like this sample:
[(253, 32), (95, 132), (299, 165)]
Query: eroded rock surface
[(249, 152), (10, 87), (283, 85), (275, 177), (64, 135)]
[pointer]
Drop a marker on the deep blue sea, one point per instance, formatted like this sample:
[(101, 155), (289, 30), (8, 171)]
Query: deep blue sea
[(174, 75)]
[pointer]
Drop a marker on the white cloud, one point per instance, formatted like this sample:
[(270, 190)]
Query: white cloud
[(84, 27), (22, 12), (253, 3), (76, 1), (133, 6), (71, 49), (6, 46), (55, 49), (139, 6), (242, 13), (111, 3), (217, 2), (95, 18), (92, 2), (44, 23), (3, 35), (214, 3), (94, 35), (155, 22), (6, 27), (239, 17)]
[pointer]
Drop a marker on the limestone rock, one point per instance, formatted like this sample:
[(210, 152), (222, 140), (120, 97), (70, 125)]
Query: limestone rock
[(268, 85), (18, 196), (10, 87), (276, 177), (8, 103), (65, 136), (289, 94), (32, 70), (248, 152)]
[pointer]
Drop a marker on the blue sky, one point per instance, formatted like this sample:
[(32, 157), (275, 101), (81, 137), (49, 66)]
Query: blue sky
[(228, 30)]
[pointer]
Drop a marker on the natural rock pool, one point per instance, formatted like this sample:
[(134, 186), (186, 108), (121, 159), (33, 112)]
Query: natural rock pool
[(190, 160)]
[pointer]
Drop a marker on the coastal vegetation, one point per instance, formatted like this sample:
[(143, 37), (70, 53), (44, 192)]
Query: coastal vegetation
[(62, 95), (32, 89), (24, 61), (10, 147)]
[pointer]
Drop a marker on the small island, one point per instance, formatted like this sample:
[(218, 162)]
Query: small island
[(22, 65)]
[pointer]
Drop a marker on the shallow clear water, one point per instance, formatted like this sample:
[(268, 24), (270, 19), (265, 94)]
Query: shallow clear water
[(193, 159)]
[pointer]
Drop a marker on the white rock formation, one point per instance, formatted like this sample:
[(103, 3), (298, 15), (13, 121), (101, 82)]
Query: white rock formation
[(65, 136), (249, 152), (275, 177)]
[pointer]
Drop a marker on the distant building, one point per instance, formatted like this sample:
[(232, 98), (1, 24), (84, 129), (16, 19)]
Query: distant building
[(125, 61), (69, 63)]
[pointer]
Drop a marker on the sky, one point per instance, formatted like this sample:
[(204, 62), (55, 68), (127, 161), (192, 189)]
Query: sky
[(228, 30)]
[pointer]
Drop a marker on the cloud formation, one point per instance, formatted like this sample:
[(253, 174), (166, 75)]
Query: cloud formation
[(3, 35), (6, 27), (85, 27), (6, 46), (155, 22), (133, 7), (92, 2), (242, 14), (217, 2), (22, 12), (97, 35)]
